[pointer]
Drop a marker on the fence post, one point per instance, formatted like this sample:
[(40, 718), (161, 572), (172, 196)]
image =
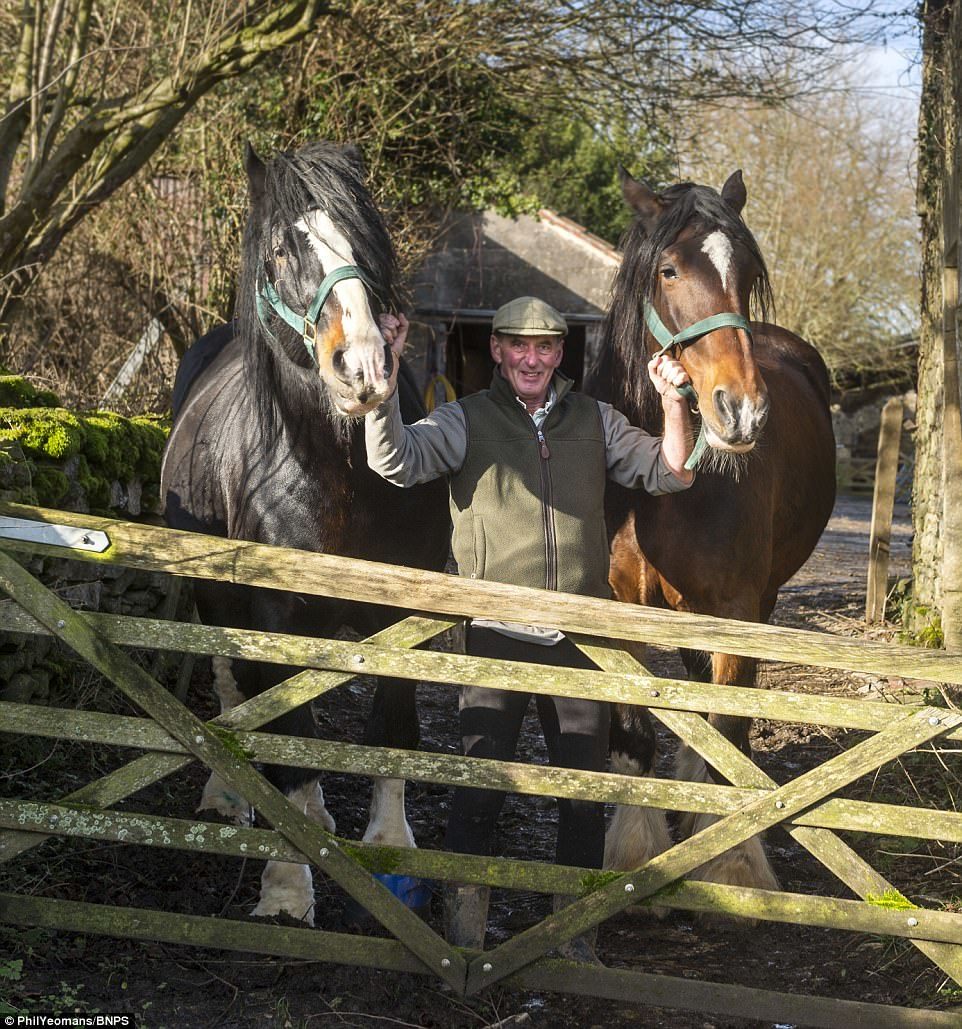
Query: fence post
[(883, 504)]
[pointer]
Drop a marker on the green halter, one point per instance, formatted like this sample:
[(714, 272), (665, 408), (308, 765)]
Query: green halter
[(685, 338), (306, 324)]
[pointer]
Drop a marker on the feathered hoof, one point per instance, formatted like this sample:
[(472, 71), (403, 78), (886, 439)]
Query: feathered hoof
[(315, 809), (745, 865), (635, 836), (286, 889), (228, 803)]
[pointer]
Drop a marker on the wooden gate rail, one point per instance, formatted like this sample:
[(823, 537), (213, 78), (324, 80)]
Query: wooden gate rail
[(547, 975), (629, 684), (832, 852), (206, 557), (514, 777), (751, 804), (151, 768), (195, 835)]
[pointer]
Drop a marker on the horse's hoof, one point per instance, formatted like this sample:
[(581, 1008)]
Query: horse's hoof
[(279, 916)]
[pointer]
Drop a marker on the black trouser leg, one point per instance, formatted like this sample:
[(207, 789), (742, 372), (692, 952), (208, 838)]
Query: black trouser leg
[(490, 726), (576, 733)]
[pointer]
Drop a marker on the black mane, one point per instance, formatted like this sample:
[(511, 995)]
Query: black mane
[(623, 355), (319, 175)]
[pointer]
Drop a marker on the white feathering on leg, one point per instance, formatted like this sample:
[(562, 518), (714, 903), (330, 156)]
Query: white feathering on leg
[(288, 888), (217, 795), (387, 823), (636, 834), (744, 865)]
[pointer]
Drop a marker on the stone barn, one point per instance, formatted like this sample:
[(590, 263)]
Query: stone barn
[(482, 260)]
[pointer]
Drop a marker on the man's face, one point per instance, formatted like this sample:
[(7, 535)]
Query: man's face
[(528, 362)]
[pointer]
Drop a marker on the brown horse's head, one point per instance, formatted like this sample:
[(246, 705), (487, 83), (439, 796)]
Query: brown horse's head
[(687, 257)]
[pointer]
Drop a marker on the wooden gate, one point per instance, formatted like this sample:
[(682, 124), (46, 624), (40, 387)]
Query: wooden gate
[(172, 738)]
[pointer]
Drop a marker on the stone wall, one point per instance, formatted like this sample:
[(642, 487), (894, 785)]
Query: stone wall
[(98, 462)]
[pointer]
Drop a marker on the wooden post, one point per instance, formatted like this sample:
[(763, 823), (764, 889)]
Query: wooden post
[(883, 504)]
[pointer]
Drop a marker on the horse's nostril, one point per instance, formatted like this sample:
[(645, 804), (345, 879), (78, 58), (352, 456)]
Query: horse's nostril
[(761, 411), (388, 361), (339, 364), (723, 407)]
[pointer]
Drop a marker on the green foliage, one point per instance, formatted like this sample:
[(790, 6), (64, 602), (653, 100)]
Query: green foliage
[(923, 628), (16, 391), (572, 167), (920, 625)]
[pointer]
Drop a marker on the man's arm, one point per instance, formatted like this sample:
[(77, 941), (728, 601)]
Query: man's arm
[(409, 454), (636, 459)]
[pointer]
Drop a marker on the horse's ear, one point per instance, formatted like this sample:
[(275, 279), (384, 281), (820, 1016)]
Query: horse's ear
[(733, 192), (354, 155), (256, 173), (641, 198)]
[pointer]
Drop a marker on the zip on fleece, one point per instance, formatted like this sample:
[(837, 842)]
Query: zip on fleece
[(547, 515)]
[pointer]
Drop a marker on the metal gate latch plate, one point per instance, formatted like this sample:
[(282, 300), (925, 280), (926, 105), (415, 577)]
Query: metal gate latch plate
[(92, 540)]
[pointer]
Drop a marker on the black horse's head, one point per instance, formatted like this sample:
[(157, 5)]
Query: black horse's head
[(319, 267), (692, 269)]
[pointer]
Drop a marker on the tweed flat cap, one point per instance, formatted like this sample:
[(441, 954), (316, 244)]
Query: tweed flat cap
[(528, 316)]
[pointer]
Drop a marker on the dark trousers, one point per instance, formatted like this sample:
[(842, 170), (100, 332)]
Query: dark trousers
[(576, 734)]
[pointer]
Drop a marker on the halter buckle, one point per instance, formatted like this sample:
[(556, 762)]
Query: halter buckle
[(310, 331)]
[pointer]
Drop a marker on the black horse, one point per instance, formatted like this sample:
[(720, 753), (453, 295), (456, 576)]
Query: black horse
[(268, 445)]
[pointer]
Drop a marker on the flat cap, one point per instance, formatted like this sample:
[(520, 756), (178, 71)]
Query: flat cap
[(528, 316)]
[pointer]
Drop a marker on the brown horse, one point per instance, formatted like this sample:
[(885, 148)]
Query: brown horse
[(765, 482)]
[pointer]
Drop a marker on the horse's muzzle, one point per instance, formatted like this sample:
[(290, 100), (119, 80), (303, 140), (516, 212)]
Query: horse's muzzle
[(737, 422)]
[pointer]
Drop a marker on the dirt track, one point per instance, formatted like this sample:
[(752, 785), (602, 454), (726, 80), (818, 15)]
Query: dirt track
[(168, 986)]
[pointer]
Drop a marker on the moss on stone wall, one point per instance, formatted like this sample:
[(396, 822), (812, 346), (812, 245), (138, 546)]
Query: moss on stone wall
[(88, 462)]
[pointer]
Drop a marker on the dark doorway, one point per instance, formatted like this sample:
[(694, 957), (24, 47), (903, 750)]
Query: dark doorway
[(469, 364)]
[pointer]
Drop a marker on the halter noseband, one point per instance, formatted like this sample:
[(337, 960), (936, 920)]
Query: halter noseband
[(682, 339), (306, 324)]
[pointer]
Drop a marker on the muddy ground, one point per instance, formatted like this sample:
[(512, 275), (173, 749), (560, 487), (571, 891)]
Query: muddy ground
[(167, 986)]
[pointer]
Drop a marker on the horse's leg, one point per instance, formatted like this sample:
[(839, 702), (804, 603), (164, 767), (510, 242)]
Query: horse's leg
[(747, 864), (393, 722), (217, 795), (636, 834)]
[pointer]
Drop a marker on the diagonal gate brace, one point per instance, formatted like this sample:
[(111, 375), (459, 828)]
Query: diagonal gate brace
[(320, 847), (823, 844), (904, 734)]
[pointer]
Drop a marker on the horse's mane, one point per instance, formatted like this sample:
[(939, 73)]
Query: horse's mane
[(319, 175), (622, 356)]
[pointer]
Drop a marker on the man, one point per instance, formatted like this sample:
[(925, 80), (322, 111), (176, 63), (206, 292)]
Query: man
[(527, 461)]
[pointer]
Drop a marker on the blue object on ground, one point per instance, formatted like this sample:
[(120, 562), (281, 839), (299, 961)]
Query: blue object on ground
[(413, 893)]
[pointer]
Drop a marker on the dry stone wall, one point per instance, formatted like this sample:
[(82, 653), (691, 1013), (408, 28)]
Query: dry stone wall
[(98, 462)]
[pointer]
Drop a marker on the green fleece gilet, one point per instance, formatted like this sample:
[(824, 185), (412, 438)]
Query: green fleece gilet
[(522, 518)]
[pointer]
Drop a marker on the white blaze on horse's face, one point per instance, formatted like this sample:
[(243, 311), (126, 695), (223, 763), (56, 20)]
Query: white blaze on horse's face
[(352, 360), (718, 247)]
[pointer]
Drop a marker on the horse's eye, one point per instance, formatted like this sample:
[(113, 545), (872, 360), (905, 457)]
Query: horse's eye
[(279, 253), (668, 272)]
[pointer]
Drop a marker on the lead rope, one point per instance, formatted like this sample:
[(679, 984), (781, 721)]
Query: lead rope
[(668, 342)]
